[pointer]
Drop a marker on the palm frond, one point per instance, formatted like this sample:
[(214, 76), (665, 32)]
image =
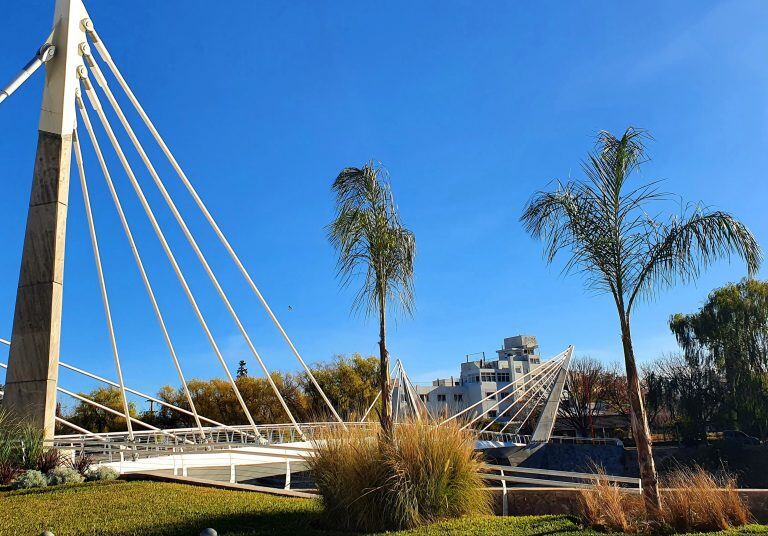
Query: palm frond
[(371, 242), (685, 246), (612, 237)]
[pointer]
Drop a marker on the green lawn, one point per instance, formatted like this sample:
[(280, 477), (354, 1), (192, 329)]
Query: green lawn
[(151, 508)]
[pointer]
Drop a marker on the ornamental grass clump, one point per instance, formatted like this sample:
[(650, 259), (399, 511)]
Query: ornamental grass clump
[(693, 500), (423, 473), (698, 501)]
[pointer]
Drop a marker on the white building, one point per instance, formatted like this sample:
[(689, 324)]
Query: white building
[(478, 379)]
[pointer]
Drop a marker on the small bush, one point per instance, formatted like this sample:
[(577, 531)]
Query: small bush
[(101, 473), (425, 473), (82, 464), (30, 479), (64, 475), (698, 501)]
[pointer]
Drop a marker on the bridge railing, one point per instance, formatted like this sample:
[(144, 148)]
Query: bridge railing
[(532, 476), (154, 443)]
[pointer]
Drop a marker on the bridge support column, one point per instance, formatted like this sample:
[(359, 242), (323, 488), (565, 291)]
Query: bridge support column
[(30, 391), (546, 423)]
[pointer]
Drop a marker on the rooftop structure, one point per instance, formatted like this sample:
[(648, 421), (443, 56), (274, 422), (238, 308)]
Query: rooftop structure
[(479, 378)]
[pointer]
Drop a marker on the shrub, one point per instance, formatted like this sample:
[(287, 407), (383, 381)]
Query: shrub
[(64, 475), (423, 474), (81, 463), (101, 473), (698, 501), (30, 479)]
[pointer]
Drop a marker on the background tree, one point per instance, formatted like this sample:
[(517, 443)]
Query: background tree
[(730, 335), (369, 238), (99, 420), (584, 395), (351, 384), (606, 226), (242, 369)]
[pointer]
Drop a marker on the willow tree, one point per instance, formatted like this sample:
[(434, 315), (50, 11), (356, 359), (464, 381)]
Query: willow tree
[(606, 226), (729, 334), (372, 243)]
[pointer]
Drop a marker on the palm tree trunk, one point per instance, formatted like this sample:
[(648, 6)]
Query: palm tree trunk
[(386, 416), (640, 429)]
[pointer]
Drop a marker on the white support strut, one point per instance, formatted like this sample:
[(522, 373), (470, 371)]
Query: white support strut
[(45, 53)]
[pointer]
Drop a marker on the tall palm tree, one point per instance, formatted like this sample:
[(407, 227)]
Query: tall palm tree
[(605, 224), (369, 237)]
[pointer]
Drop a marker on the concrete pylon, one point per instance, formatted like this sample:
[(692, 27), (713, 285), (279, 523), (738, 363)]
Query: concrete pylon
[(33, 362), (546, 422)]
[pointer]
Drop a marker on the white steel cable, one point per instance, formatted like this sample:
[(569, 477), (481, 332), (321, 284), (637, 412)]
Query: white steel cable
[(533, 407), (138, 393), (109, 410), (137, 258), (411, 392), (115, 412), (107, 58), (101, 81), (537, 385), (548, 378), (376, 398), (94, 101), (79, 429), (146, 396), (540, 372), (542, 393), (495, 393), (102, 282)]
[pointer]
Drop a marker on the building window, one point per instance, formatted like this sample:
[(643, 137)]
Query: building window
[(492, 414), (503, 376), (477, 379), (458, 397), (489, 377), (518, 369), (424, 398), (490, 396), (441, 398)]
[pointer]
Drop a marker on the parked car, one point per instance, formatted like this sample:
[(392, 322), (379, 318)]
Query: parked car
[(737, 436)]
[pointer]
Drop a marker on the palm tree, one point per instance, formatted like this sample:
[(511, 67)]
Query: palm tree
[(368, 236), (607, 228)]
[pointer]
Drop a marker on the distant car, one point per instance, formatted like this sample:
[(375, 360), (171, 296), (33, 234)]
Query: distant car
[(738, 436)]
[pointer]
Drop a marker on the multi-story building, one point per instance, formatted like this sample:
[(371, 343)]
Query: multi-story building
[(478, 379)]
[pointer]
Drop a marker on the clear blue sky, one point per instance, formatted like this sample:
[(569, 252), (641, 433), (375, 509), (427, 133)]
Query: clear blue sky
[(472, 107)]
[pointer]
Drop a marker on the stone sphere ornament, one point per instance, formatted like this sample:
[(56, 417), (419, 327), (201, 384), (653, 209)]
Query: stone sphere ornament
[(209, 532)]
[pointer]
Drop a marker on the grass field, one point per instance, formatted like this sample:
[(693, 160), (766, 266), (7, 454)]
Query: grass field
[(153, 508)]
